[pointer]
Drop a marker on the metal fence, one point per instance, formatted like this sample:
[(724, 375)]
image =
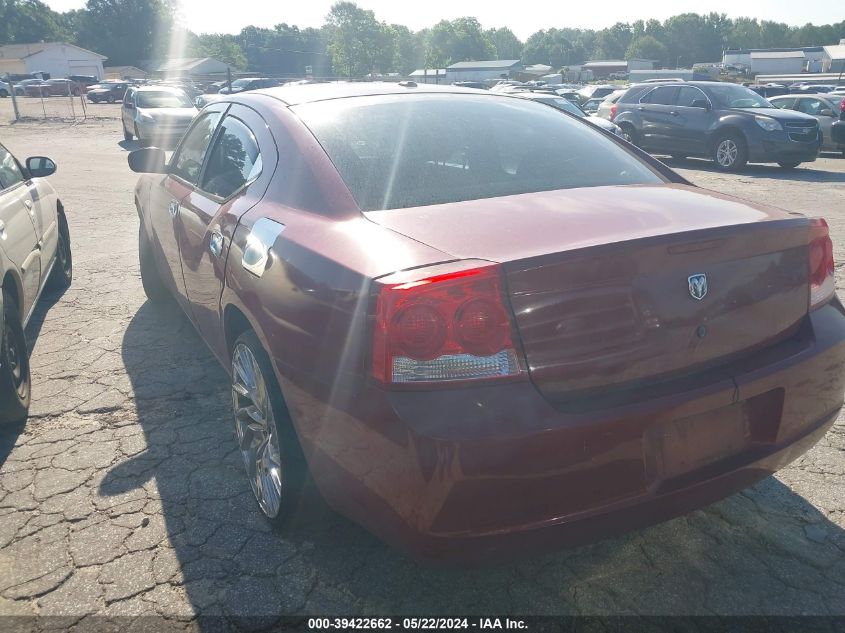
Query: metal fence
[(34, 104)]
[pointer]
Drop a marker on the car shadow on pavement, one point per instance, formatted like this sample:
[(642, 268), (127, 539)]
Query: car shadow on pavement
[(806, 172), (765, 551), (129, 146), (9, 434)]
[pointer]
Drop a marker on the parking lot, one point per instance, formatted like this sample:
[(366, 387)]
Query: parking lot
[(124, 493)]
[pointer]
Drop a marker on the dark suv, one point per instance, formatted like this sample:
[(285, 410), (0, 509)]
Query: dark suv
[(726, 122), (108, 91)]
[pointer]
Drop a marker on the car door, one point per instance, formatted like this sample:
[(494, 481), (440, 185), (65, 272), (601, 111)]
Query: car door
[(654, 110), (235, 177), (688, 123), (17, 231), (40, 201), (127, 110), (167, 193)]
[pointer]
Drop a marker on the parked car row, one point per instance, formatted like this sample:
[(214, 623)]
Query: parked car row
[(726, 122), (501, 282), (34, 87)]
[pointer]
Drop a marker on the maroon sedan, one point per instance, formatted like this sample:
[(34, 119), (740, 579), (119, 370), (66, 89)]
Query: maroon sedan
[(481, 324)]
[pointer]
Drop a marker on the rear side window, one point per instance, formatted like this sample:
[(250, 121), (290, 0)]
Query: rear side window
[(783, 104), (810, 106), (187, 163), (687, 95), (664, 95), (407, 151), (234, 160), (10, 173)]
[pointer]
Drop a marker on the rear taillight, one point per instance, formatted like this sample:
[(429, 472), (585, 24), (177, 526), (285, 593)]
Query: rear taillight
[(613, 109), (822, 282), (842, 106), (441, 324)]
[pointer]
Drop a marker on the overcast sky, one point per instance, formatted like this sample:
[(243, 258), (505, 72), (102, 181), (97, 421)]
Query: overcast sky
[(523, 18)]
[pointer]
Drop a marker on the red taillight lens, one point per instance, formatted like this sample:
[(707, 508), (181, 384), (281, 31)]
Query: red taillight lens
[(435, 325), (613, 109), (820, 256)]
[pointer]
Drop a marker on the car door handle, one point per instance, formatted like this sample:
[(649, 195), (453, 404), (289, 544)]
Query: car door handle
[(215, 244), (174, 208), (2, 230), (673, 112), (28, 204), (640, 108)]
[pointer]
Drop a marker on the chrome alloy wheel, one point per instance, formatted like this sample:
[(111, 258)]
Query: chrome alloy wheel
[(727, 152), (255, 426)]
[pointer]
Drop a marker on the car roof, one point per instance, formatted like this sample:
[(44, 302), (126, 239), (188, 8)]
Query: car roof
[(308, 93)]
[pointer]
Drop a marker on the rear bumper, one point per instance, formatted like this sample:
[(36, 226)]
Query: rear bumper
[(492, 472)]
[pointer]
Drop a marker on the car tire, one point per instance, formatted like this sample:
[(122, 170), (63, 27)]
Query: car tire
[(4, 93), (15, 384), (630, 134), (789, 165), (141, 141), (110, 99), (730, 152), (154, 286), (76, 92), (127, 136), (267, 441), (62, 273)]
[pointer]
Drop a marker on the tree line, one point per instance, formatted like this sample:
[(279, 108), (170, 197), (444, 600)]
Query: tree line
[(353, 42)]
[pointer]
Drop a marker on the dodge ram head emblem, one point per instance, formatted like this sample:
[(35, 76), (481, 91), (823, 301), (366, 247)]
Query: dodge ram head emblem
[(697, 286)]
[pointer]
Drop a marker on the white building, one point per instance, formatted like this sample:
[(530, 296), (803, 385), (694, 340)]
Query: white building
[(429, 76), (481, 71), (834, 58), (771, 62), (813, 56), (58, 59)]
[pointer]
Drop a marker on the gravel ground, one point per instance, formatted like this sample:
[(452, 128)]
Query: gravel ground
[(123, 494)]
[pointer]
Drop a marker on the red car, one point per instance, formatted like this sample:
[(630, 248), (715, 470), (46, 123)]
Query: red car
[(54, 87), (481, 324)]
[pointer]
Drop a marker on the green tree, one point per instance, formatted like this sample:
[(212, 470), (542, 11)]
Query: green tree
[(126, 31), (227, 48), (358, 43), (647, 47), (612, 43), (551, 47), (506, 44), (459, 40), (410, 50), (28, 21)]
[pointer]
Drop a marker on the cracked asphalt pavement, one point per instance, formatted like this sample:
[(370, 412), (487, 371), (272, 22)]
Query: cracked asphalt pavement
[(123, 495)]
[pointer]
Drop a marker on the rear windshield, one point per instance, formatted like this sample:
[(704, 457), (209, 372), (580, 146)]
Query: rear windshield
[(156, 99), (396, 152)]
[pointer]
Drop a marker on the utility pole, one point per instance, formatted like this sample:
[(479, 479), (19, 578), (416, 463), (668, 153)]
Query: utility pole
[(12, 95)]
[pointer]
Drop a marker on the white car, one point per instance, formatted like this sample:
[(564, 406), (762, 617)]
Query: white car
[(156, 114), (34, 255)]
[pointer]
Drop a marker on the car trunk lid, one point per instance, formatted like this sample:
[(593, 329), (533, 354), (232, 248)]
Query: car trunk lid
[(607, 285)]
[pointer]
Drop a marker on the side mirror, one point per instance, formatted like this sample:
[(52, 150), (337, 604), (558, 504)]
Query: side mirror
[(40, 166), (149, 160), (700, 103), (826, 112)]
